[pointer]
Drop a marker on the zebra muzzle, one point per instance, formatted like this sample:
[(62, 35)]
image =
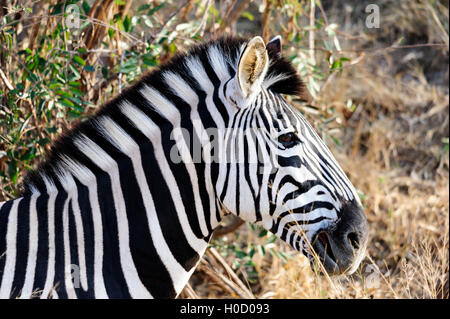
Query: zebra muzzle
[(341, 248)]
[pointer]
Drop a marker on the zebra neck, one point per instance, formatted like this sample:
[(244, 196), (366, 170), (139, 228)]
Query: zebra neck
[(119, 210), (146, 215)]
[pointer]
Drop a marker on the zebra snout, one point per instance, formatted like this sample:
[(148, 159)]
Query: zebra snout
[(342, 247)]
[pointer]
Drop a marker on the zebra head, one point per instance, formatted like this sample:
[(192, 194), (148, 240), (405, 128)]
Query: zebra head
[(286, 178)]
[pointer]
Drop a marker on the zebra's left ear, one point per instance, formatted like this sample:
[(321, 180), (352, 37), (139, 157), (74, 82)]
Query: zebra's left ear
[(274, 46), (252, 68)]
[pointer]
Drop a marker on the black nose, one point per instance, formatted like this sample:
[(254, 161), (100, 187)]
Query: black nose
[(353, 239), (341, 246)]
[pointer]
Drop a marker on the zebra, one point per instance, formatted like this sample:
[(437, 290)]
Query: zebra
[(123, 206)]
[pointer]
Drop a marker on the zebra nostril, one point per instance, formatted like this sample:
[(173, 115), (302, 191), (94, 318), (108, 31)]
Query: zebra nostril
[(353, 240)]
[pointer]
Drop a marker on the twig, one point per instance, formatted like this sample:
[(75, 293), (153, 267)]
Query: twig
[(234, 13), (189, 292), (229, 10), (212, 252), (119, 84), (220, 280), (311, 32), (154, 36), (201, 27), (438, 22), (6, 81), (382, 276), (265, 19)]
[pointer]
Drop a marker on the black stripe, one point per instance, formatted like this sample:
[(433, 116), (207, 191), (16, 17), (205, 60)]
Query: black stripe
[(58, 281), (216, 82), (89, 237), (115, 283), (167, 213), (148, 264), (301, 210), (42, 252), (75, 267), (302, 188)]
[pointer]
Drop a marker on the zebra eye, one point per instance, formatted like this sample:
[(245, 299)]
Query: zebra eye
[(288, 139)]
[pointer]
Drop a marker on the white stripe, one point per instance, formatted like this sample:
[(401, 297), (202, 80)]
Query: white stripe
[(10, 262), (27, 289), (160, 103), (71, 188), (87, 178), (49, 281), (67, 265), (217, 60)]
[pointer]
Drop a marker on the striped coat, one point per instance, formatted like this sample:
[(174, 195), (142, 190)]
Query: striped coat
[(126, 202)]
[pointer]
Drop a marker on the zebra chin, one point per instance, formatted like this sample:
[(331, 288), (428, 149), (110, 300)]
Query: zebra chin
[(341, 248)]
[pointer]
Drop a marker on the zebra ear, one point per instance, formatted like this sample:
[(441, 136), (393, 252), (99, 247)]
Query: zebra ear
[(252, 68), (274, 46)]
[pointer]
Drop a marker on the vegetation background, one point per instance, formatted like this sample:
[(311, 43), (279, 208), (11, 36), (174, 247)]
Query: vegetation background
[(379, 97)]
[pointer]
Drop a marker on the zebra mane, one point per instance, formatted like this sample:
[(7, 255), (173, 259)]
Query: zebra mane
[(281, 78)]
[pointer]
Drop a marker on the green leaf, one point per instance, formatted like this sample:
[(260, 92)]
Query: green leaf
[(120, 23), (111, 33), (261, 250), (82, 50), (262, 233), (79, 60), (13, 173), (127, 24), (143, 7), (240, 254), (74, 84), (89, 68), (52, 129), (86, 7), (247, 15), (105, 72), (151, 11), (66, 102), (445, 140), (251, 252), (271, 239), (43, 141)]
